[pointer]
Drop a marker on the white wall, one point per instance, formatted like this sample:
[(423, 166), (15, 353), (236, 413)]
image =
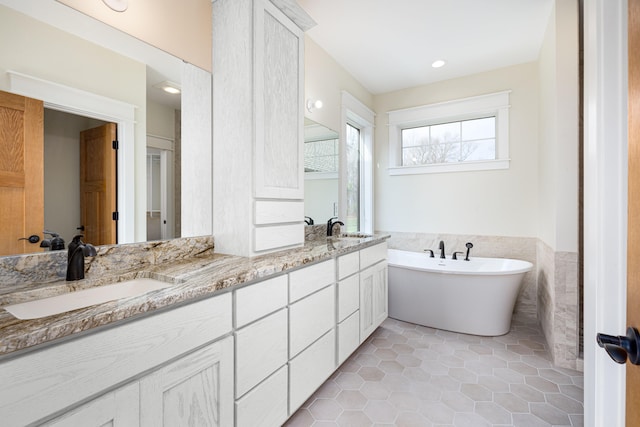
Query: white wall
[(498, 203), (559, 152), (161, 120), (30, 47), (325, 79), (325, 195)]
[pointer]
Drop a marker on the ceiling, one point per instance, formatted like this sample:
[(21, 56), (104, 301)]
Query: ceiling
[(388, 45)]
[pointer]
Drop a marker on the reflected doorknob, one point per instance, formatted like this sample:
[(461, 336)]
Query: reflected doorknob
[(621, 347), (34, 238)]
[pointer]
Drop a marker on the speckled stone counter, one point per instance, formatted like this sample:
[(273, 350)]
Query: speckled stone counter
[(202, 274)]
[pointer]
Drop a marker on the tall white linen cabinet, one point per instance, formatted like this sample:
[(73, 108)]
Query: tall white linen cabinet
[(258, 121)]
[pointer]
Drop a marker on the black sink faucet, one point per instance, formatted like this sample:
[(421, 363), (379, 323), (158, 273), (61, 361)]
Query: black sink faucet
[(75, 257), (330, 224), (441, 247)]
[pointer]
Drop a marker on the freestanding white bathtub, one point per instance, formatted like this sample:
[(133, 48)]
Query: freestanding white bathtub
[(472, 297)]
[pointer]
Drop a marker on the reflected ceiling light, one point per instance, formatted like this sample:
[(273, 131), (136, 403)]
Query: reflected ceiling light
[(437, 64), (313, 104), (117, 5), (169, 87)]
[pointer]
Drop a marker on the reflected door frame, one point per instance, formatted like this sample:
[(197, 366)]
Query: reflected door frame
[(164, 147), (71, 100)]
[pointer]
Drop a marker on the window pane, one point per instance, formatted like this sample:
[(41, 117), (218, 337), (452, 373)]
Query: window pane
[(479, 129), (352, 221), (480, 150), (468, 140), (321, 156), (446, 132), (415, 136)]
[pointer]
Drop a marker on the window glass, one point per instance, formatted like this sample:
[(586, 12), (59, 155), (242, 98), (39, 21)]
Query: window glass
[(452, 142), (352, 221), (321, 156)]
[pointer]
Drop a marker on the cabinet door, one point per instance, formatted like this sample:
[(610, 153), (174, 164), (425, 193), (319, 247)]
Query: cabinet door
[(117, 408), (279, 91), (380, 294), (195, 390), (373, 298), (366, 303)]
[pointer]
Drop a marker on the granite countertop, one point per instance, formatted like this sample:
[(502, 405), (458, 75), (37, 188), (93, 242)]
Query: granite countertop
[(192, 278)]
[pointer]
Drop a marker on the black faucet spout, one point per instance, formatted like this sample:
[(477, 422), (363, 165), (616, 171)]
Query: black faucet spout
[(75, 257), (441, 247), (331, 223)]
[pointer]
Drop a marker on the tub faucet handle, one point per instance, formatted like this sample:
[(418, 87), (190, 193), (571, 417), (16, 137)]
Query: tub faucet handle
[(455, 255), (469, 245), (431, 255)]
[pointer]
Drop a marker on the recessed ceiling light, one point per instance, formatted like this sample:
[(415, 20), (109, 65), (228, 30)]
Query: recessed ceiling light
[(117, 5), (437, 64), (168, 87)]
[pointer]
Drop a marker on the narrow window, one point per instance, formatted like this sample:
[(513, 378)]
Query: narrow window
[(353, 147)]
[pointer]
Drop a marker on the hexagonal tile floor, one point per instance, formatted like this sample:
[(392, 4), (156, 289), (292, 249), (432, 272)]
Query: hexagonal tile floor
[(410, 375)]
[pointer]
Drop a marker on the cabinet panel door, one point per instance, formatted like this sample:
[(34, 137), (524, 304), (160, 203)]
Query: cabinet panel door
[(117, 408), (366, 303), (196, 390), (380, 294), (279, 90)]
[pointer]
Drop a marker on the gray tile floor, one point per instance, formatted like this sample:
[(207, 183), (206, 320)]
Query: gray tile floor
[(409, 375)]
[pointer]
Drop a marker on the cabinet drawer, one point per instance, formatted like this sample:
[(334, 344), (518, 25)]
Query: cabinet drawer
[(348, 296), (348, 264), (309, 279), (348, 336), (310, 318), (373, 254), (265, 405), (256, 301), (310, 369), (261, 349)]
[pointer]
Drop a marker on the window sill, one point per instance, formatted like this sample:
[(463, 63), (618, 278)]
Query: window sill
[(450, 167)]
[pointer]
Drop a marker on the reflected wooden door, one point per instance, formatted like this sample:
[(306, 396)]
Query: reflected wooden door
[(98, 184), (633, 233), (21, 172)]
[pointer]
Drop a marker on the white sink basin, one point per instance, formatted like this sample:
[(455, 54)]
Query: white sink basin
[(80, 299)]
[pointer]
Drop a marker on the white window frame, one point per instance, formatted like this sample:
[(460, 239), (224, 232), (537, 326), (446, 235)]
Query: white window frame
[(360, 116), (494, 104)]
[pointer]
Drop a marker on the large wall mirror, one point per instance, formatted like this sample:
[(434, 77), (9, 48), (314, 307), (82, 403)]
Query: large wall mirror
[(89, 76), (321, 166)]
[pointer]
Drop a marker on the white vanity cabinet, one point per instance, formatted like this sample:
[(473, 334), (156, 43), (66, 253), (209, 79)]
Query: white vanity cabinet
[(149, 363), (373, 288)]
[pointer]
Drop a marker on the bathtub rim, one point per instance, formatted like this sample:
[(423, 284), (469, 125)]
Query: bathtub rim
[(527, 266)]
